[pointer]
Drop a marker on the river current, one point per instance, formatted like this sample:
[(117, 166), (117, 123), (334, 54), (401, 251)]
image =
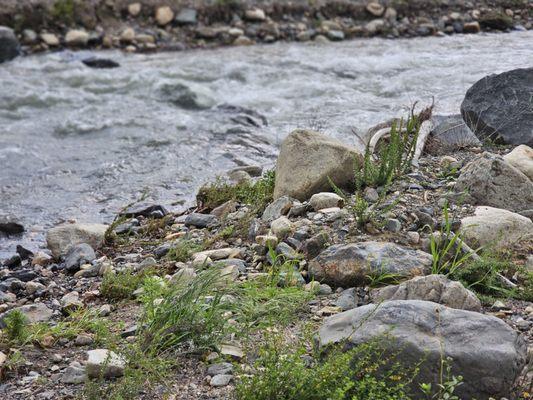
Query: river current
[(80, 143)]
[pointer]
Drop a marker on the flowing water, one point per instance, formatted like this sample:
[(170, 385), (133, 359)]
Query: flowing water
[(80, 143)]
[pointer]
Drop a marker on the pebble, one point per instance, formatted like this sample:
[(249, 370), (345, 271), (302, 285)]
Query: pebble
[(281, 227), (134, 9), (220, 369), (221, 380), (393, 225), (164, 15)]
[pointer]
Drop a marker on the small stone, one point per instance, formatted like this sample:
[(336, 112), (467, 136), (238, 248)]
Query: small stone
[(393, 225), (187, 16), (232, 351), (71, 301), (243, 41), (9, 224), (347, 299), (281, 227), (255, 15), (34, 287), (370, 195), (134, 9), (127, 35), (471, 27), (325, 290), (277, 208), (220, 369), (375, 9), (41, 259), (50, 39), (164, 15), (76, 38), (83, 340), (320, 201), (499, 305), (220, 380), (77, 255), (335, 35), (268, 241), (102, 362), (413, 237), (201, 220)]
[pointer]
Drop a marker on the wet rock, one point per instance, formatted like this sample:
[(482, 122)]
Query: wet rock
[(335, 35), (145, 210), (435, 288), (496, 20), (449, 134), (188, 95), (164, 15), (102, 362), (495, 228), (61, 238), (522, 159), (29, 37), (307, 159), (352, 264), (24, 253), (491, 181), (426, 332), (76, 38), (243, 41), (201, 220), (10, 225), (9, 44), (187, 16), (498, 107), (36, 312), (12, 262), (78, 255), (319, 201), (471, 27), (100, 63)]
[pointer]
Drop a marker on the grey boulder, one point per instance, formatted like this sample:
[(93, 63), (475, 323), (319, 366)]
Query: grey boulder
[(485, 351), (499, 107), (307, 159), (435, 288), (353, 264), (61, 238), (489, 180), (9, 44)]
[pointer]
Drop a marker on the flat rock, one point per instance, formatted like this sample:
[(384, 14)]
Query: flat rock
[(187, 16), (201, 220), (307, 159), (220, 369), (145, 210), (522, 159), (495, 228), (221, 380), (435, 288), (351, 264), (36, 312), (102, 362), (61, 238), (485, 350), (489, 180), (100, 63), (499, 108)]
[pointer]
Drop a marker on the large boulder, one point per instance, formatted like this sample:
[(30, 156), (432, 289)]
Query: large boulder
[(9, 44), (495, 228), (435, 288), (489, 180), (484, 349), (522, 159), (353, 264), (499, 107), (307, 159), (61, 238)]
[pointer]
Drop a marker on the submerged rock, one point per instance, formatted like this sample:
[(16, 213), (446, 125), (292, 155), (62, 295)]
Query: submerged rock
[(100, 63), (10, 225), (484, 350), (499, 107), (9, 44), (489, 180), (307, 159), (435, 288), (352, 264), (187, 95)]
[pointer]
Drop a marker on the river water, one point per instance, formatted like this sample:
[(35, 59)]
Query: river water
[(80, 143)]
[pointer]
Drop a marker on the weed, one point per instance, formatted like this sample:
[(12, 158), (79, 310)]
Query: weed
[(482, 276), (63, 10), (448, 383), (16, 326), (183, 250), (121, 285), (383, 278)]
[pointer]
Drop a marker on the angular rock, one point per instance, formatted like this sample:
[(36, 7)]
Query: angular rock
[(201, 220), (78, 255), (449, 134), (220, 369), (281, 227), (255, 15), (73, 374), (277, 208), (145, 210), (36, 312), (347, 299), (495, 228), (375, 9), (50, 39), (485, 351), (522, 159), (187, 16), (499, 107), (187, 95), (320, 201), (351, 264), (491, 181), (102, 362), (435, 288), (9, 44), (307, 159), (61, 238), (220, 380)]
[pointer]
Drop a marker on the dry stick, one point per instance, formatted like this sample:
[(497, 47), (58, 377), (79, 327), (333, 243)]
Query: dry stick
[(423, 134)]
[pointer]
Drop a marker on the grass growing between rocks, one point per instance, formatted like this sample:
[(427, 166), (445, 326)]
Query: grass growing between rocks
[(183, 250)]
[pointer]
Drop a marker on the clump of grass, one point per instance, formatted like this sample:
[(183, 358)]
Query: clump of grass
[(287, 371), (482, 276), (16, 327), (392, 160), (183, 250), (120, 285), (63, 10), (256, 194)]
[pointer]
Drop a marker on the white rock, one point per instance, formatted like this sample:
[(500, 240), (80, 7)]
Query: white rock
[(164, 15), (320, 201), (127, 35), (522, 159), (375, 9), (134, 9), (281, 227), (50, 39), (255, 15), (102, 362), (76, 37), (61, 238)]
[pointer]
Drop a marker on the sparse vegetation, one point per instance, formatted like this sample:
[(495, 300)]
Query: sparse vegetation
[(120, 285), (16, 326), (183, 250)]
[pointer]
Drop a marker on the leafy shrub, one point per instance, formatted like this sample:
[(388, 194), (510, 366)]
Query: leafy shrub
[(16, 326)]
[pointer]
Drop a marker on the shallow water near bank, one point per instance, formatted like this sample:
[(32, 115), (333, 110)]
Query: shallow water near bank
[(79, 143)]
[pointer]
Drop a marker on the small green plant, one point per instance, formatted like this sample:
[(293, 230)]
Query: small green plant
[(393, 159), (448, 383), (446, 248), (120, 285), (63, 10), (183, 250), (383, 278), (16, 326)]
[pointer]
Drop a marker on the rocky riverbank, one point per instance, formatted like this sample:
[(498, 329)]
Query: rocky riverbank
[(148, 25), (425, 247)]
